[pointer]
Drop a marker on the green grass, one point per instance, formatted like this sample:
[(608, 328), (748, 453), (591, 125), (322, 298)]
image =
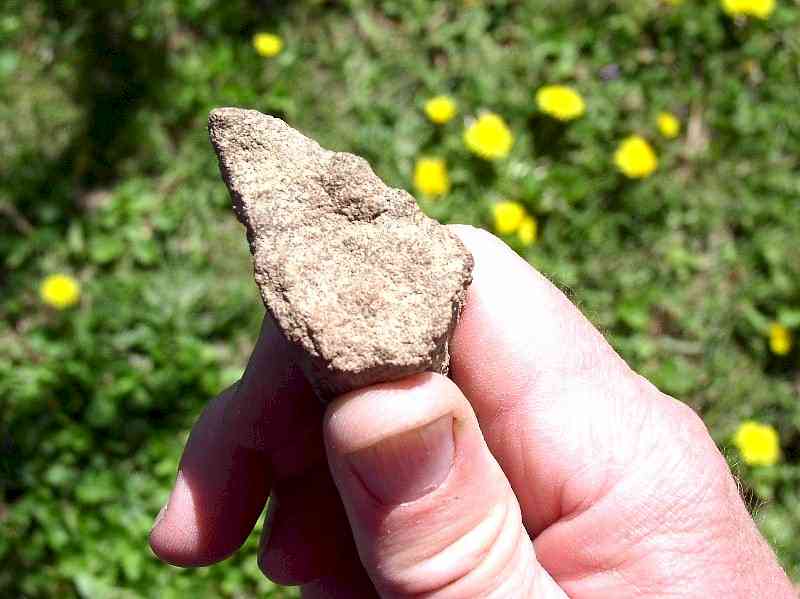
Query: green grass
[(106, 174)]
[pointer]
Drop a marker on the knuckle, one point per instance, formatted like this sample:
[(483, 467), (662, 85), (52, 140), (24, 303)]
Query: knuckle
[(687, 473), (484, 558)]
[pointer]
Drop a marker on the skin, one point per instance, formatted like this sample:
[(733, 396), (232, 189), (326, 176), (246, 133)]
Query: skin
[(546, 468)]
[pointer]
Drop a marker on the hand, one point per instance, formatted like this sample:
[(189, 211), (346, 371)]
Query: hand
[(547, 468)]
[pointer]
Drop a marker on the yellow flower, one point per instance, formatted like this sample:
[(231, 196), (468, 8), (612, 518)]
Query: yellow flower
[(267, 44), (508, 217), (780, 339), (431, 178), (489, 137), (668, 125), (441, 109), (60, 291), (561, 102), (758, 443), (528, 231), (753, 8), (762, 8), (636, 158)]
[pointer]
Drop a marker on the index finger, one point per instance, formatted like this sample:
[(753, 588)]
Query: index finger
[(264, 428)]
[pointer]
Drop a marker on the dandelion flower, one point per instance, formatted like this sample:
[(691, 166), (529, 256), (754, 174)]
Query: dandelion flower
[(441, 109), (780, 339), (508, 217), (528, 231), (636, 158), (758, 443), (560, 102), (60, 291), (267, 44), (760, 9), (668, 125), (489, 137), (431, 178)]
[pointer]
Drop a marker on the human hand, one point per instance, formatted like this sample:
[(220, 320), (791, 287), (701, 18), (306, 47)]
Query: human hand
[(546, 468)]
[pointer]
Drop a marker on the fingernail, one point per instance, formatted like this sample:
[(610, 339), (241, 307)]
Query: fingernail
[(409, 465)]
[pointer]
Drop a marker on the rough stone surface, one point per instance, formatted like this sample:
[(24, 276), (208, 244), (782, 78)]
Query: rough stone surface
[(366, 286)]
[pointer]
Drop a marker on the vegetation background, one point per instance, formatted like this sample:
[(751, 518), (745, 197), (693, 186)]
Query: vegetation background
[(106, 175)]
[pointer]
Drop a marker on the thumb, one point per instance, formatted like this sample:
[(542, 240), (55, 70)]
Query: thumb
[(431, 511)]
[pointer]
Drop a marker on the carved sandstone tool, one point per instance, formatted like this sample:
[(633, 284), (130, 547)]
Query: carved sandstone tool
[(364, 285)]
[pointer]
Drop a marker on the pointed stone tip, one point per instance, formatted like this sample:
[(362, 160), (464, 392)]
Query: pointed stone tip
[(222, 113), (232, 127), (229, 115)]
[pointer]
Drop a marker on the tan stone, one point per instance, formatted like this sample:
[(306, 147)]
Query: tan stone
[(357, 278)]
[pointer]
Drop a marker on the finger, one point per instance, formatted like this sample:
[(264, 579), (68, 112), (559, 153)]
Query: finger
[(554, 400), (307, 536), (210, 510), (590, 446), (266, 427), (348, 582), (431, 511)]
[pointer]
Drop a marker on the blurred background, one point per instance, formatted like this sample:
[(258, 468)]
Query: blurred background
[(643, 154)]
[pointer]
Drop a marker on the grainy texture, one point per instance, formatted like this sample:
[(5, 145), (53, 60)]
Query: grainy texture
[(357, 278)]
